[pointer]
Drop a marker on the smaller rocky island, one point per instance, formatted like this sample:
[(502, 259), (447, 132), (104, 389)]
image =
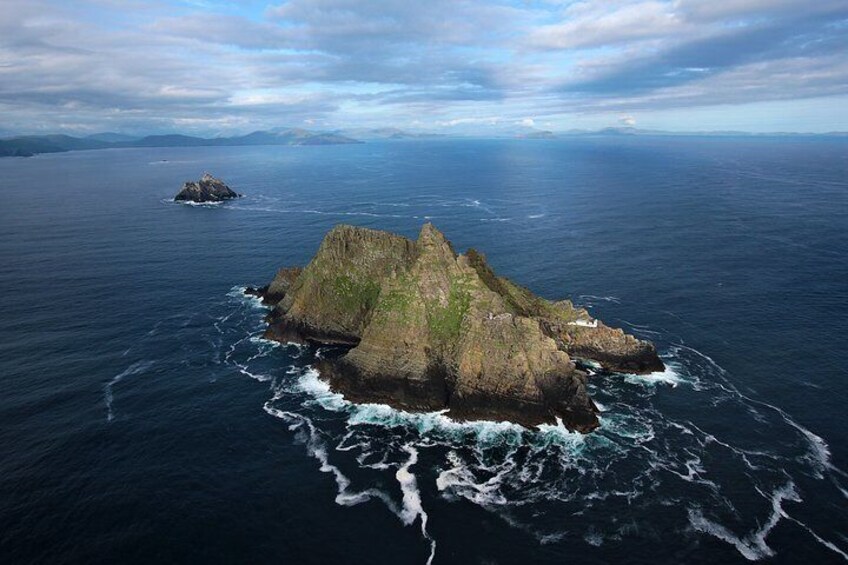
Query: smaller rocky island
[(419, 327), (207, 189)]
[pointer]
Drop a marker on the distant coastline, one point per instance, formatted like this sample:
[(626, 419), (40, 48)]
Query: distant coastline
[(30, 145)]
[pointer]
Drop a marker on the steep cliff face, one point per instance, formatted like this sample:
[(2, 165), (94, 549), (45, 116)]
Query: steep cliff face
[(333, 298), (431, 330), (274, 292)]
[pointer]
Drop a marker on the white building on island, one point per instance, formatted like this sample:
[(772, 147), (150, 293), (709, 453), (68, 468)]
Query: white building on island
[(584, 323)]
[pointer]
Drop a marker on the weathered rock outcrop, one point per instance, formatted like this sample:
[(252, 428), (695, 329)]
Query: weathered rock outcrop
[(613, 349), (429, 329), (207, 189), (573, 329), (275, 291)]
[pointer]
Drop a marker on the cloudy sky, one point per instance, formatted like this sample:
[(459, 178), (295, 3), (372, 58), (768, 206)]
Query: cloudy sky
[(216, 67)]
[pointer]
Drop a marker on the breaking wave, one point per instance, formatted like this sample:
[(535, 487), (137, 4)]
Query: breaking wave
[(663, 455), (191, 203)]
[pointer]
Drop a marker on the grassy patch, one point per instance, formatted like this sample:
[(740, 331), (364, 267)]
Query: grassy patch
[(395, 300), (398, 297), (446, 322), (355, 295), (563, 311)]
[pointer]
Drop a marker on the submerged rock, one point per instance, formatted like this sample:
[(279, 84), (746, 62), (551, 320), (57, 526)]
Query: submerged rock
[(429, 329), (207, 189)]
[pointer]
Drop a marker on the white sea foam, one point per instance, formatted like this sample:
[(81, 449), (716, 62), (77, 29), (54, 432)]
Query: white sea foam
[(383, 415), (197, 204), (752, 546), (459, 481), (668, 376), (694, 472), (264, 342), (830, 545), (261, 377), (240, 292), (391, 204), (642, 329), (559, 430), (594, 538), (311, 383), (594, 298), (317, 449), (819, 450), (510, 470), (412, 507), (427, 422), (135, 369), (315, 212), (545, 539)]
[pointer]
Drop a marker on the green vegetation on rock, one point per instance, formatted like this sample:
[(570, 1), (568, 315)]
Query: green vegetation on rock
[(445, 322), (432, 329), (355, 295)]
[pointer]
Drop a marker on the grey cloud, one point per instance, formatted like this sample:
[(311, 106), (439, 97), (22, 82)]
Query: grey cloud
[(773, 80), (700, 11), (595, 24), (694, 60), (345, 26), (162, 66), (226, 30)]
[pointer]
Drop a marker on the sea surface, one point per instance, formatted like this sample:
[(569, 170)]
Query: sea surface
[(144, 420)]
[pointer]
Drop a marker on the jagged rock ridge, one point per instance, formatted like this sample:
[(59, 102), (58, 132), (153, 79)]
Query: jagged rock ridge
[(207, 189), (429, 329)]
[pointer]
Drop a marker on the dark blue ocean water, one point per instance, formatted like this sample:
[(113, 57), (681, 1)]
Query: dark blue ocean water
[(142, 420)]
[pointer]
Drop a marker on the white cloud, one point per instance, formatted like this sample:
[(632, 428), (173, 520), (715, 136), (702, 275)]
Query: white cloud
[(597, 23), (139, 65), (490, 121)]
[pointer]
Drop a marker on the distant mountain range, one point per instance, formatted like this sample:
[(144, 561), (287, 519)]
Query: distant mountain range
[(386, 133), (110, 137), (535, 134), (28, 145)]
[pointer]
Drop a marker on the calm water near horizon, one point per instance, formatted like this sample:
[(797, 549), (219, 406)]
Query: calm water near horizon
[(143, 420)]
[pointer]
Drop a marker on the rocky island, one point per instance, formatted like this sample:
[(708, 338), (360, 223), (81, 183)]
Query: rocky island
[(207, 189), (423, 328)]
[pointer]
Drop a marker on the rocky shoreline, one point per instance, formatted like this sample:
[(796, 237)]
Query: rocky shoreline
[(424, 328), (207, 189)]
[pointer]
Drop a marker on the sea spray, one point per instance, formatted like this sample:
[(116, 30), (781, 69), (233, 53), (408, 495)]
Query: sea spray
[(523, 475), (412, 507)]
